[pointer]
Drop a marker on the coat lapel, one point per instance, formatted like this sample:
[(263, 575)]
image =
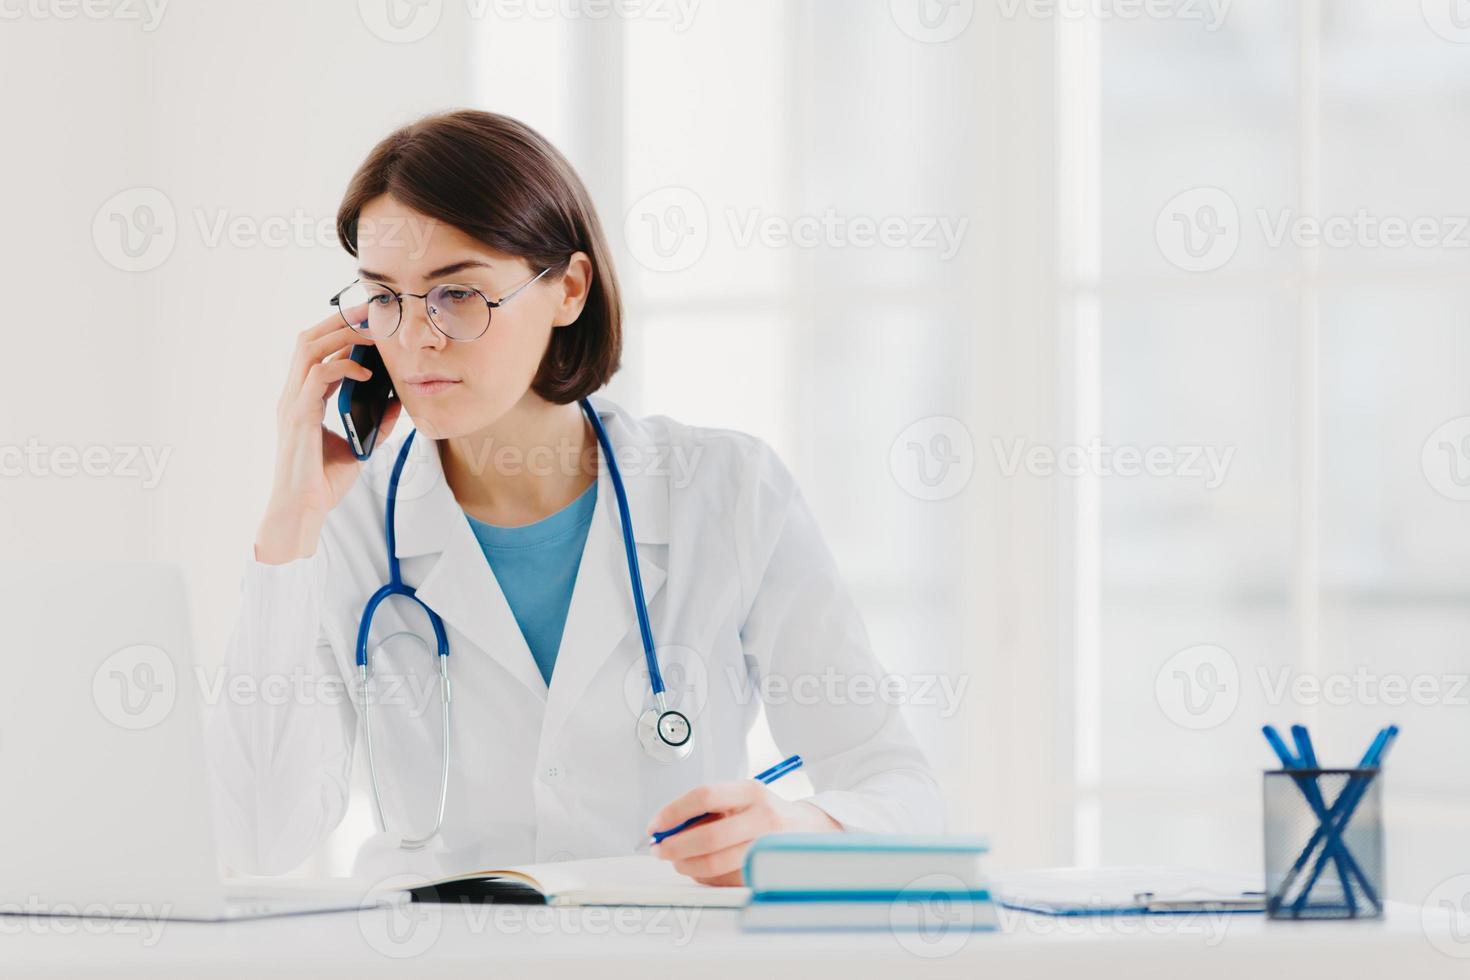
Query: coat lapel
[(602, 613), (457, 582)]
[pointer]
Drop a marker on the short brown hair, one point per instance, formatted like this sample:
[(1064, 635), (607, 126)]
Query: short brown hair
[(502, 183)]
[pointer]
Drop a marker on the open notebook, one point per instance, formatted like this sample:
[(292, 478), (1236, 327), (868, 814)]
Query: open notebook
[(634, 880)]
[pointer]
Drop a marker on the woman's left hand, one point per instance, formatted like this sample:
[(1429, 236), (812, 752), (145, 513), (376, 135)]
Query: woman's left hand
[(712, 851)]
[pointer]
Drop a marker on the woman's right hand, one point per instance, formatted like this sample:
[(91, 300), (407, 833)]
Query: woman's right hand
[(315, 467)]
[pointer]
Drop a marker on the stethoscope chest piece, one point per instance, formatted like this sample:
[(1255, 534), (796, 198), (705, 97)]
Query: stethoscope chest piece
[(665, 734)]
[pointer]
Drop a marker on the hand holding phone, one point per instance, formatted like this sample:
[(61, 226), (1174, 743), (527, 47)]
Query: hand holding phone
[(315, 467)]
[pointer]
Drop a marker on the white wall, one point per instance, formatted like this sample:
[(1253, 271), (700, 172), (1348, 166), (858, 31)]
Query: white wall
[(251, 115)]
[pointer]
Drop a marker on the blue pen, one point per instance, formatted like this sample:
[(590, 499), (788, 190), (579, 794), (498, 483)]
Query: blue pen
[(1341, 859), (1278, 745), (768, 777), (1342, 812), (1303, 740)]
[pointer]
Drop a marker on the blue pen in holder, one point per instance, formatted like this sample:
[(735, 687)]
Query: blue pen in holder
[(1324, 843)]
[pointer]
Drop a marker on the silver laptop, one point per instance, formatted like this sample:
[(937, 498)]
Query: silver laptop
[(102, 767)]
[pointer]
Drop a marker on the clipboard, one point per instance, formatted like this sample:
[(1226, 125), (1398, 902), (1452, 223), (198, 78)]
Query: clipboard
[(1128, 891)]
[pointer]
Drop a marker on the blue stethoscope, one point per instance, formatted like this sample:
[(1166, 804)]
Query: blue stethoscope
[(664, 733)]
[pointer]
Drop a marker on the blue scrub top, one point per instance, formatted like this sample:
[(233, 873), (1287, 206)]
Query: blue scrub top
[(536, 566)]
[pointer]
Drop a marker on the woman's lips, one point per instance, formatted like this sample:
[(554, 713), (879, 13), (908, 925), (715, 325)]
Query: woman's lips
[(431, 387)]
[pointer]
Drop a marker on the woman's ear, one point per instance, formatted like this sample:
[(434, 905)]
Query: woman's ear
[(575, 283)]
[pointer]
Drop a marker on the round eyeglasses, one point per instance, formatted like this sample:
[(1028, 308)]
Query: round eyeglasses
[(457, 312)]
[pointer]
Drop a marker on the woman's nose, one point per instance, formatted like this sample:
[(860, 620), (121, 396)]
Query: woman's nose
[(416, 329)]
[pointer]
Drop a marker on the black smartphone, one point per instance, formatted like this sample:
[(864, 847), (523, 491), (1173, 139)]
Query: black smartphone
[(363, 403)]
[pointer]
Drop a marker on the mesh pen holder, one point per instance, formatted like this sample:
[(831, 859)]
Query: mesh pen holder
[(1324, 843)]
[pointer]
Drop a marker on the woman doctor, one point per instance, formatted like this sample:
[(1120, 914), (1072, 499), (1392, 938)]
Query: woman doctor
[(508, 525)]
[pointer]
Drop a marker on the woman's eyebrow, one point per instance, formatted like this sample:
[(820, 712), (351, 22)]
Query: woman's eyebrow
[(453, 267)]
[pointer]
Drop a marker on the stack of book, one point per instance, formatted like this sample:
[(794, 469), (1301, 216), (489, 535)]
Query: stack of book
[(866, 881)]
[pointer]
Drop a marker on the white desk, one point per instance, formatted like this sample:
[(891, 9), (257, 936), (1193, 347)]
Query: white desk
[(485, 941)]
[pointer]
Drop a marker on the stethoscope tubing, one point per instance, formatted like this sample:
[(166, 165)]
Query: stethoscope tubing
[(396, 587), (630, 550)]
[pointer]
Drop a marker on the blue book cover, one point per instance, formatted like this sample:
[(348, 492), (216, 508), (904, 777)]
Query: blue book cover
[(866, 867)]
